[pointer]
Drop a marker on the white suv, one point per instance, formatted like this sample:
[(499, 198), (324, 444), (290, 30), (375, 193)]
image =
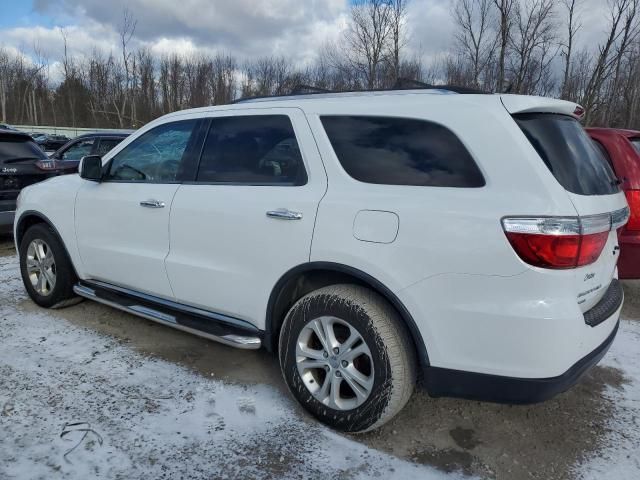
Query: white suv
[(365, 237)]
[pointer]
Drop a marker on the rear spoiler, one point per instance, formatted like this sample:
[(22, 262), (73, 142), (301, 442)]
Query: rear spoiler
[(530, 104)]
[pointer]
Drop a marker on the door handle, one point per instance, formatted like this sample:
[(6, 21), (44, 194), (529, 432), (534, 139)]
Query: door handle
[(152, 204), (284, 214)]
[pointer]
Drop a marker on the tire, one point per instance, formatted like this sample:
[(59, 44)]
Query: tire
[(386, 368), (57, 293)]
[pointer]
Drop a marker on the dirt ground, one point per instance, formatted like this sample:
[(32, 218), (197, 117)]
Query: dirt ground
[(480, 439)]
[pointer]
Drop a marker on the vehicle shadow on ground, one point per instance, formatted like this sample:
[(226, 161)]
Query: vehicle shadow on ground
[(488, 440)]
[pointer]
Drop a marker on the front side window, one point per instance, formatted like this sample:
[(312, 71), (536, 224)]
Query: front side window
[(78, 150), (401, 151), (253, 150), (155, 156)]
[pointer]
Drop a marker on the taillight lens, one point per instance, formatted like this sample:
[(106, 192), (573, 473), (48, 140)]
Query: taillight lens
[(560, 242), (633, 199), (46, 165)]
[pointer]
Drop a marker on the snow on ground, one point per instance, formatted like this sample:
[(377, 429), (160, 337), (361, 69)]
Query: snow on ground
[(619, 458), (76, 404)]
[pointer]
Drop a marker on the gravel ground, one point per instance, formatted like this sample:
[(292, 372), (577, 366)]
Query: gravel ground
[(91, 392)]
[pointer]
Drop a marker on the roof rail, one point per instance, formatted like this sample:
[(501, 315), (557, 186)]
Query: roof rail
[(401, 84)]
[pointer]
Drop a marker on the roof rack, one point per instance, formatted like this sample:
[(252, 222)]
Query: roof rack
[(401, 84)]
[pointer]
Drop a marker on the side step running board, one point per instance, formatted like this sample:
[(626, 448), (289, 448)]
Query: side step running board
[(220, 328)]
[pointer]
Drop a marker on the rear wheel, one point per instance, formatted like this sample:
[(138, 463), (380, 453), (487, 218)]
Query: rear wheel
[(347, 357), (47, 273)]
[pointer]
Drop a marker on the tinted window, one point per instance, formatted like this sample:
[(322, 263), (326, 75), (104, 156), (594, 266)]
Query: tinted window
[(12, 150), (401, 151), (155, 156), (253, 150), (636, 143), (106, 145), (569, 153), (78, 150)]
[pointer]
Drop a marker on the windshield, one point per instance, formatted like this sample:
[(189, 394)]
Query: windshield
[(569, 153), (19, 148), (636, 143)]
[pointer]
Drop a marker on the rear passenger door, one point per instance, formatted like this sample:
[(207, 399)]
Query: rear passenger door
[(248, 215)]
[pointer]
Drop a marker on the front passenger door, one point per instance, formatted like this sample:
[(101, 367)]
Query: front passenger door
[(122, 223)]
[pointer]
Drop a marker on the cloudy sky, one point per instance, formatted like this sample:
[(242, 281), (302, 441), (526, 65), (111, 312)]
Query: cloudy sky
[(244, 28)]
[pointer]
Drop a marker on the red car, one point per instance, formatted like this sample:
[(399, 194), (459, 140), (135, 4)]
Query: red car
[(622, 149)]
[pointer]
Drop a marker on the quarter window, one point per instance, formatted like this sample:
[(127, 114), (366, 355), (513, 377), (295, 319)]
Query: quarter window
[(253, 150), (401, 151), (155, 156)]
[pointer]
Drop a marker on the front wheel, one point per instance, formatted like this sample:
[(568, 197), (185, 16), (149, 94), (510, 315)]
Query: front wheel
[(47, 272), (347, 357)]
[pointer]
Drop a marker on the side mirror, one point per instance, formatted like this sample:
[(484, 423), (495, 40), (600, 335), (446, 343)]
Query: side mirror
[(91, 168)]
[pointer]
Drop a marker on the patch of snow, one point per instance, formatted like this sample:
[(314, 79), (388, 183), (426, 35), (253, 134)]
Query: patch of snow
[(77, 404), (619, 458)]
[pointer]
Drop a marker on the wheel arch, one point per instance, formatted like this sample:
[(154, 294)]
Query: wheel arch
[(307, 277), (30, 218)]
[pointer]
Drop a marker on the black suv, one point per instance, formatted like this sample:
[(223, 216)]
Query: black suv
[(99, 143), (22, 163), (50, 143)]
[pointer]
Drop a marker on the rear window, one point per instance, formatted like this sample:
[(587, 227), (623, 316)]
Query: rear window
[(401, 151), (13, 150), (568, 152), (636, 144)]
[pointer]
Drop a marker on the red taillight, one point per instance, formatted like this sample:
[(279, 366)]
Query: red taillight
[(561, 242), (547, 251), (591, 248), (46, 165), (633, 199)]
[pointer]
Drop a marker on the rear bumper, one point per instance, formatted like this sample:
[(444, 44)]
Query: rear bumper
[(6, 222), (441, 382)]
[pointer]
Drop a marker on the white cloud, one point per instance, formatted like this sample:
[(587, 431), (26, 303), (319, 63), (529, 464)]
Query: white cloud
[(296, 29)]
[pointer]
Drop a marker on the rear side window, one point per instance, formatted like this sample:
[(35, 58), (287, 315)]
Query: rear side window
[(252, 150), (12, 150), (636, 144), (401, 151), (568, 152)]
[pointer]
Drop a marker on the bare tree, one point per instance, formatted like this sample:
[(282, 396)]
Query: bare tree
[(398, 38), (505, 10), (532, 42), (474, 36), (367, 37), (126, 31), (573, 26), (623, 18)]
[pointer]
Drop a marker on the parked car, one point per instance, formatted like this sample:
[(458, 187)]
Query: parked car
[(22, 163), (362, 236), (68, 156), (37, 135), (51, 143), (622, 149)]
